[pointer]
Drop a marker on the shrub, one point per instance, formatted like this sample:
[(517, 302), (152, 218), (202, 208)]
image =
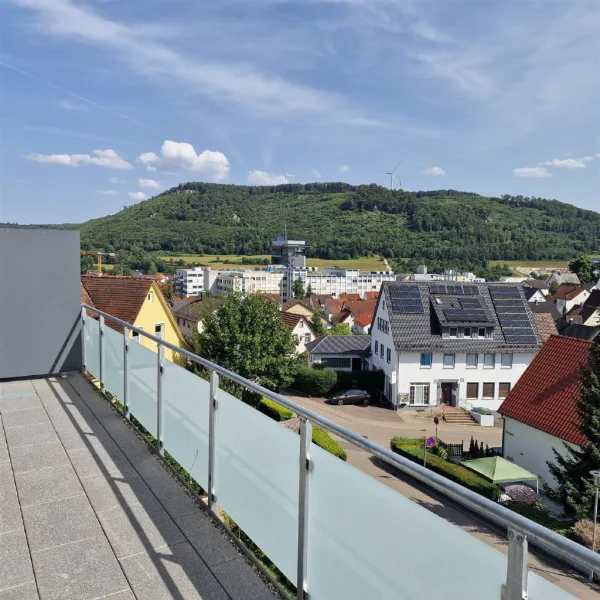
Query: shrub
[(480, 410), (583, 532), (539, 513), (322, 439), (314, 382), (274, 410), (412, 449)]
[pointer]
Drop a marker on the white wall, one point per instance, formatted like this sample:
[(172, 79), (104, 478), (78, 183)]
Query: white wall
[(410, 371), (530, 448), (377, 362), (300, 331)]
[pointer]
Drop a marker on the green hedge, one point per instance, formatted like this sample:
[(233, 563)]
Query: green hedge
[(412, 449), (274, 410), (314, 382), (322, 439)]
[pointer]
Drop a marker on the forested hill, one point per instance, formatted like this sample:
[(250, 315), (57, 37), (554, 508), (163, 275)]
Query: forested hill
[(340, 221)]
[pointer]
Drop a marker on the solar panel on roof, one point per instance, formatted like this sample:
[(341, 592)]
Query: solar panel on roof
[(520, 339), (437, 289), (510, 292), (470, 290), (465, 316), (518, 331), (513, 321), (469, 302), (404, 291), (500, 303)]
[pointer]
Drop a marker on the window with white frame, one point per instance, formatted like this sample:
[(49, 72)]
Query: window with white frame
[(376, 347), (503, 390), (472, 391), (472, 360), (306, 338), (383, 325), (489, 360), (137, 337), (481, 332), (419, 393), (448, 361), (389, 355), (488, 391), (506, 360), (381, 350), (149, 296), (426, 361), (453, 332), (467, 332)]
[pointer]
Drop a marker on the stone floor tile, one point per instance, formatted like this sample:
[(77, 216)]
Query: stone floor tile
[(31, 458), (241, 581), (107, 492), (13, 542), (15, 570), (26, 416), (10, 513), (80, 571), (60, 522), (47, 485), (10, 402), (31, 434), (90, 462), (27, 591), (171, 572), (139, 527)]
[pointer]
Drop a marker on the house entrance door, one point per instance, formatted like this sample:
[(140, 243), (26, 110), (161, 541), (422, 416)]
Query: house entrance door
[(446, 393)]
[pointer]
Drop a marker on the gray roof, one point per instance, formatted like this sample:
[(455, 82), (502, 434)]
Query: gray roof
[(582, 332), (545, 307), (538, 284), (195, 310), (564, 278), (340, 344), (422, 332)]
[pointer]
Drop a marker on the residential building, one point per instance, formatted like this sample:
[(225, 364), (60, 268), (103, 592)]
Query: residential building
[(576, 330), (302, 330), (190, 316), (297, 307), (363, 322), (137, 300), (340, 352), (463, 345), (538, 284), (188, 282), (334, 282), (569, 295), (584, 315), (558, 278), (545, 307), (540, 412), (247, 282), (534, 295)]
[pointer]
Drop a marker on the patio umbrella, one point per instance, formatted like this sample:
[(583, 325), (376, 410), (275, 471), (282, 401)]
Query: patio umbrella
[(500, 470)]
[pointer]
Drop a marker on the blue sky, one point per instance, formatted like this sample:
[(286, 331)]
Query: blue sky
[(107, 102)]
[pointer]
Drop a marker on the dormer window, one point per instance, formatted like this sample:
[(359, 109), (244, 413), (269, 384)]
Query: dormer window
[(453, 332), (467, 332), (481, 332)]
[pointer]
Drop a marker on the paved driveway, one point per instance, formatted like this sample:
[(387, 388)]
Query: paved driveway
[(381, 424)]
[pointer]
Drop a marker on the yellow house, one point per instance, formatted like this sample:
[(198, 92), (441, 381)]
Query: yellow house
[(136, 300)]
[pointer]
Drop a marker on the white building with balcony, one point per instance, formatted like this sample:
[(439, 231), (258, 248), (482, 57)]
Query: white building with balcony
[(247, 282), (461, 345)]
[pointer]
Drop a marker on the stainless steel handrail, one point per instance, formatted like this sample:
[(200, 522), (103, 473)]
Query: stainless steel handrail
[(554, 543)]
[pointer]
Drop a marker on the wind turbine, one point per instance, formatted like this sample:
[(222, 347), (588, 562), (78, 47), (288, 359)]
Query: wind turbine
[(286, 177), (393, 176)]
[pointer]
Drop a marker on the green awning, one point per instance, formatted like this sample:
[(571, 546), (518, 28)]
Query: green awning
[(498, 469)]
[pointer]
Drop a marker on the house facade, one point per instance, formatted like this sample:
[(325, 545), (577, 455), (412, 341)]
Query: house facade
[(302, 330), (461, 345), (340, 352), (540, 412), (568, 295)]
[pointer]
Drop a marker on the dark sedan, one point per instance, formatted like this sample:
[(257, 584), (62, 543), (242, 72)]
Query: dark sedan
[(351, 397)]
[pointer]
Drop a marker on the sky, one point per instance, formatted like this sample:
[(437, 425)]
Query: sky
[(105, 103)]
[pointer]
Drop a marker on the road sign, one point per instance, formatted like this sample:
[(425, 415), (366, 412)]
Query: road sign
[(436, 420), (430, 442)]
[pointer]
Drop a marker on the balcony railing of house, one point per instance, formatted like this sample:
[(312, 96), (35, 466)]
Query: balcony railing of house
[(331, 529)]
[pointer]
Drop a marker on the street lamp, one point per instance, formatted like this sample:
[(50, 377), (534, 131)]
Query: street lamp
[(596, 477)]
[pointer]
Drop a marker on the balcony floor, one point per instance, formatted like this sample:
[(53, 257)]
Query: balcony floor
[(88, 512)]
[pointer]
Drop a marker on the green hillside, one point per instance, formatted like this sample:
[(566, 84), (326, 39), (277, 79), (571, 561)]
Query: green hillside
[(342, 221)]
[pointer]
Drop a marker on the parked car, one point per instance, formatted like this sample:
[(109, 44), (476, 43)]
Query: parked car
[(351, 397)]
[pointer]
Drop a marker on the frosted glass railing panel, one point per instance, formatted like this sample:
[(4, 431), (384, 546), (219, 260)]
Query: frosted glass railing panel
[(142, 374), (186, 401), (367, 541), (112, 368), (256, 478), (539, 588), (92, 346)]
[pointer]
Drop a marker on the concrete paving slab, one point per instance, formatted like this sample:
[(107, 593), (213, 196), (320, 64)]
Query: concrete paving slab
[(13, 542), (3, 446), (10, 512), (32, 458), (60, 522), (10, 402), (15, 570), (240, 580), (209, 541), (16, 387), (25, 416), (47, 485), (105, 493), (173, 572), (80, 571), (138, 528), (90, 462), (31, 434), (27, 591)]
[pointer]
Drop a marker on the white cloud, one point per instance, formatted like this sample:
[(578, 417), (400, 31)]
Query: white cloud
[(137, 195), (256, 177), (586, 158), (434, 171), (117, 180), (177, 156), (66, 105), (316, 173), (597, 155), (566, 163), (100, 158), (149, 183), (531, 172), (344, 168), (106, 192)]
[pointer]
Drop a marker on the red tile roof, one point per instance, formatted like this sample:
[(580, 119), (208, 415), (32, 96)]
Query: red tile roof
[(341, 316), (545, 397), (371, 295), (359, 306), (349, 296), (365, 318), (568, 291), (333, 306), (291, 319), (119, 296)]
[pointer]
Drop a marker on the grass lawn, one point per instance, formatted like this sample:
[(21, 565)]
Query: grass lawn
[(533, 264), (366, 263)]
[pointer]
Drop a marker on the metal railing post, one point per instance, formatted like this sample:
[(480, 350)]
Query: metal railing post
[(101, 353), (214, 386), (126, 372), (159, 409), (516, 571), (83, 370), (306, 465)]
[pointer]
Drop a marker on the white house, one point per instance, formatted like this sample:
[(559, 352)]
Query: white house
[(463, 345), (569, 295), (189, 317), (302, 330), (534, 295), (363, 322), (540, 412)]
